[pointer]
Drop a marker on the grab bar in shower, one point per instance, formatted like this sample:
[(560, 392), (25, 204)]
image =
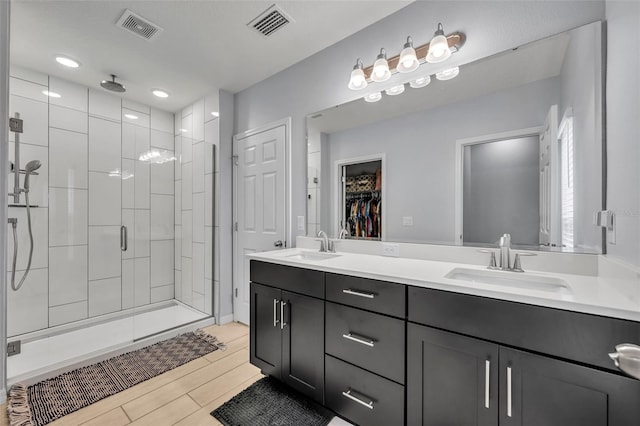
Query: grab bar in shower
[(123, 238)]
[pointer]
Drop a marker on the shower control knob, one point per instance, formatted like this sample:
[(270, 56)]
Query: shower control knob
[(278, 243)]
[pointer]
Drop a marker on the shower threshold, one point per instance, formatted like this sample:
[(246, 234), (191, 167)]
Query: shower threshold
[(50, 352)]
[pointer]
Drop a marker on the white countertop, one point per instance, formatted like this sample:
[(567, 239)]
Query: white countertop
[(588, 294)]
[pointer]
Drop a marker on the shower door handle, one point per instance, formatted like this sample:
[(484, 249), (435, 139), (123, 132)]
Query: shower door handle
[(123, 238)]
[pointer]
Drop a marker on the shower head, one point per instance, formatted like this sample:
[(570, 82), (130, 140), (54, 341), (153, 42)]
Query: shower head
[(31, 167), (113, 85)]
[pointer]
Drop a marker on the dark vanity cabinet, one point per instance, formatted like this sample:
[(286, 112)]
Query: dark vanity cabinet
[(287, 327), (383, 353), (463, 380)]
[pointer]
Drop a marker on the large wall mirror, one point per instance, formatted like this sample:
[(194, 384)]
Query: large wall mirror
[(513, 144)]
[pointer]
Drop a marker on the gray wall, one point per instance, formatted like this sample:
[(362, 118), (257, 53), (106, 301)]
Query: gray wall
[(501, 191), (623, 127), (420, 163), (321, 80)]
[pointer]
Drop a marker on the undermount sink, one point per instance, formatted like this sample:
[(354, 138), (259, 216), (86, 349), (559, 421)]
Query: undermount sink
[(516, 280), (312, 255)]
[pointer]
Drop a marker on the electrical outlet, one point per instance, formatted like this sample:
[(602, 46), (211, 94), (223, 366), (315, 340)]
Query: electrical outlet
[(392, 250), (407, 220), (300, 223)]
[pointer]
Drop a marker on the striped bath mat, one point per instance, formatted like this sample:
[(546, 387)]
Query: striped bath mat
[(51, 399)]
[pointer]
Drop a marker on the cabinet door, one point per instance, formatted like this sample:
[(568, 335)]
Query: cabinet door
[(303, 344), (266, 335), (536, 390), (451, 379)]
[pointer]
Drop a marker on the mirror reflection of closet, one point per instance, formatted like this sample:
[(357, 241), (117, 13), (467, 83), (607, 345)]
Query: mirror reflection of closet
[(361, 204)]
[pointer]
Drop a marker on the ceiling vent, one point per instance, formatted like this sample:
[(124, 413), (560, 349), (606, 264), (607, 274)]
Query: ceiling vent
[(270, 21), (139, 26)]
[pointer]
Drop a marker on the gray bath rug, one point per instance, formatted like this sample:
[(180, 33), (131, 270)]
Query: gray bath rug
[(268, 402), (51, 399)]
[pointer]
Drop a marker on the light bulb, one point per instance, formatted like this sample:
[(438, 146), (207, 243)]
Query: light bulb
[(358, 80), (408, 60), (381, 68), (438, 47)]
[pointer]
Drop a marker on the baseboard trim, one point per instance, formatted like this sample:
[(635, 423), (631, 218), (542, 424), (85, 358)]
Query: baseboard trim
[(3, 395), (226, 319)]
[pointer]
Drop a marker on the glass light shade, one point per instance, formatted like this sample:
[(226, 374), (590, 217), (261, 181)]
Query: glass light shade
[(380, 70), (420, 82), (448, 74), (438, 50), (357, 80), (408, 60), (395, 90), (373, 97)]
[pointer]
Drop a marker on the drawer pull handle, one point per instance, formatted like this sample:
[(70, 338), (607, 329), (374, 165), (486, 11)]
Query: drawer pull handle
[(509, 396), (362, 340), (349, 395), (282, 323), (358, 293), (487, 377), (275, 312)]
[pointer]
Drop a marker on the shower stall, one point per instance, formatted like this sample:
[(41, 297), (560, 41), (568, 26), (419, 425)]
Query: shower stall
[(118, 199)]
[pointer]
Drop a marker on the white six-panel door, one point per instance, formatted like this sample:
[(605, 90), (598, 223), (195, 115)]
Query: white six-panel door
[(259, 205)]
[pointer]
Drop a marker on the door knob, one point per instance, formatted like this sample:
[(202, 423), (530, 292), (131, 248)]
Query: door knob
[(278, 243)]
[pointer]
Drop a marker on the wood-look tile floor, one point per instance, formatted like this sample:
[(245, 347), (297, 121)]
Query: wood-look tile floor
[(183, 396)]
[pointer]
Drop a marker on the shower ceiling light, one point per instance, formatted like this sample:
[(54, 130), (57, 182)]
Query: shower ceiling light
[(439, 50), (448, 74), (51, 94), (373, 97), (67, 62), (408, 59), (160, 93), (420, 82)]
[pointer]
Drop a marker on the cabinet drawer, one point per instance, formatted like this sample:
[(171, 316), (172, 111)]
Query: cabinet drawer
[(377, 296), (371, 341), (362, 397), (580, 337), (297, 280)]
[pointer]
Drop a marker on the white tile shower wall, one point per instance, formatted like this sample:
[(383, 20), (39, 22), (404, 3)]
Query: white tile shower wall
[(197, 132), (91, 181)]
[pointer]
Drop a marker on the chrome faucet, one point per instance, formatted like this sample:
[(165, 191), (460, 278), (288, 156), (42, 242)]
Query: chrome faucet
[(343, 234), (505, 248), (324, 242)]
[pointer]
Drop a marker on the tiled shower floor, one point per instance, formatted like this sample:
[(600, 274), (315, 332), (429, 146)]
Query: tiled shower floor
[(49, 353)]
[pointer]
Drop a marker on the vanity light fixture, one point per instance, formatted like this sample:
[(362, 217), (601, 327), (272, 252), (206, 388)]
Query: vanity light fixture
[(448, 74), (408, 58), (51, 94), (373, 97), (439, 50), (420, 82), (160, 93), (381, 70), (395, 90), (67, 62), (358, 80)]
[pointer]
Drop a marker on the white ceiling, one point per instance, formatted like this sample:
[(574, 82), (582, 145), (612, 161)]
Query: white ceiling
[(205, 45)]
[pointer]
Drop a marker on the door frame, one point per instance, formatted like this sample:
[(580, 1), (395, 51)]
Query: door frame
[(337, 187), (288, 227), (459, 168)]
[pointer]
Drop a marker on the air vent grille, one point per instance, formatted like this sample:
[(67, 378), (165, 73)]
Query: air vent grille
[(270, 21), (138, 25)]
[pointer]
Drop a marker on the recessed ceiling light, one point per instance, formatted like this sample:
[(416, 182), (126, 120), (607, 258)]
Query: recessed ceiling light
[(160, 93), (131, 116), (51, 94), (67, 62), (215, 113)]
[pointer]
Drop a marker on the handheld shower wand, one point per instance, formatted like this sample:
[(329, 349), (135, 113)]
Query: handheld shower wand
[(31, 167)]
